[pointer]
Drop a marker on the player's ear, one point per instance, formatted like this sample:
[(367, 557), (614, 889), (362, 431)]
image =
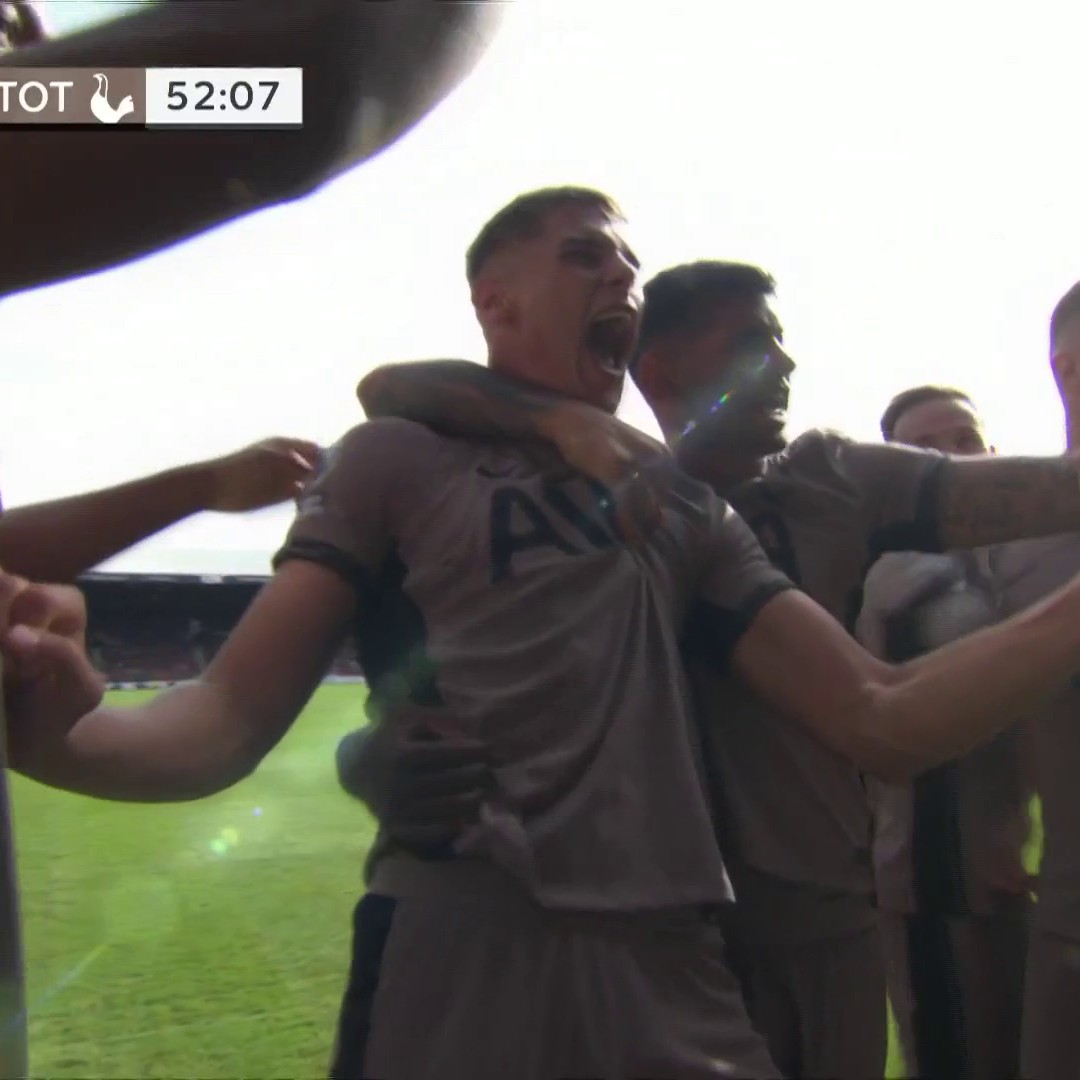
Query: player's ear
[(491, 300)]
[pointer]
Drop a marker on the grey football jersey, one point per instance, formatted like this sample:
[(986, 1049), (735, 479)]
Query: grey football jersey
[(488, 587), (794, 819), (938, 838)]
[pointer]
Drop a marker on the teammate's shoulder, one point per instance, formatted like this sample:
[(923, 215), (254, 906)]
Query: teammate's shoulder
[(832, 451), (813, 450), (382, 445), (689, 496), (703, 509), (387, 433)]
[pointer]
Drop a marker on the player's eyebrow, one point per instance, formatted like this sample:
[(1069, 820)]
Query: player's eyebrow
[(598, 238)]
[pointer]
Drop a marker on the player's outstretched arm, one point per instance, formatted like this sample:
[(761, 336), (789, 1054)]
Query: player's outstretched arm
[(898, 720), (996, 499), (73, 202), (58, 540), (202, 736), (206, 735)]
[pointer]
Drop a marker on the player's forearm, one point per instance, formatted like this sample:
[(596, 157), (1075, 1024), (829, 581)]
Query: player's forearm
[(993, 500), (58, 540), (943, 704), (78, 203), (182, 745), (460, 398)]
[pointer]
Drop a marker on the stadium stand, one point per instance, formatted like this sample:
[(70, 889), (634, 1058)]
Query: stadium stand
[(155, 630)]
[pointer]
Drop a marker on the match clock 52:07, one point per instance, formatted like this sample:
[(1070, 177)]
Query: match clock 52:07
[(213, 97)]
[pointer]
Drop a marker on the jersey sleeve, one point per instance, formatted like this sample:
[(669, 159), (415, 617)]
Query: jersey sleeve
[(896, 488), (347, 515), (737, 582)]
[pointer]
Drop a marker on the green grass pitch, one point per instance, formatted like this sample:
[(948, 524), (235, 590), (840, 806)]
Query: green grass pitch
[(203, 940)]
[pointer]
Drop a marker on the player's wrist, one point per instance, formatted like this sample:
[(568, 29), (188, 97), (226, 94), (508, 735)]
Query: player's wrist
[(204, 483)]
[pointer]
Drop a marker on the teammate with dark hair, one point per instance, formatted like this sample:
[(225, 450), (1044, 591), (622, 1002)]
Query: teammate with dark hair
[(948, 852), (939, 418), (795, 823)]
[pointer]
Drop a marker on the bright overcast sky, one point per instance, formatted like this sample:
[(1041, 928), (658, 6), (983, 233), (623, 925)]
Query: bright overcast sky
[(908, 174)]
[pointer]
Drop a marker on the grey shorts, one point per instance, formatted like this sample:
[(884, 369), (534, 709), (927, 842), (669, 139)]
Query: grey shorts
[(471, 980)]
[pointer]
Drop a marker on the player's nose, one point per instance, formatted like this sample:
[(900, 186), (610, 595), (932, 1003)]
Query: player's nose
[(620, 271), (779, 362)]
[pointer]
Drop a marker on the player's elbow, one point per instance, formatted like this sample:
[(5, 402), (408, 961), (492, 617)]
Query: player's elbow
[(876, 739)]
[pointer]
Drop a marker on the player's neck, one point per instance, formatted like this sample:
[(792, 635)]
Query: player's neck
[(723, 470)]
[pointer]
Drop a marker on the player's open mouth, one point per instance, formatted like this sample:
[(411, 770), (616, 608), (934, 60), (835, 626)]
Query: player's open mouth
[(773, 404), (610, 337)]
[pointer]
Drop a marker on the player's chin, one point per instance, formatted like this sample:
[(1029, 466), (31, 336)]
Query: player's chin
[(602, 390), (765, 429), (747, 432), (771, 442), (611, 400)]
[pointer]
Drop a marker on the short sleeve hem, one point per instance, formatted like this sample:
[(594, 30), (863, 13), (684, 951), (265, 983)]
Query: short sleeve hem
[(923, 532), (720, 629), (332, 558)]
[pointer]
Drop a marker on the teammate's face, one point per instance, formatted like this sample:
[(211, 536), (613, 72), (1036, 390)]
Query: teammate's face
[(726, 388), (953, 427), (562, 310)]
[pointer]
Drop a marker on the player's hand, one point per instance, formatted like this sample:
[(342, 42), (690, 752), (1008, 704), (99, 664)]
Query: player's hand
[(424, 786), (20, 24), (626, 461), (58, 609), (263, 474), (49, 681)]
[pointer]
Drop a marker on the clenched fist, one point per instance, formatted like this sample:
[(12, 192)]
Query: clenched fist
[(49, 682)]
